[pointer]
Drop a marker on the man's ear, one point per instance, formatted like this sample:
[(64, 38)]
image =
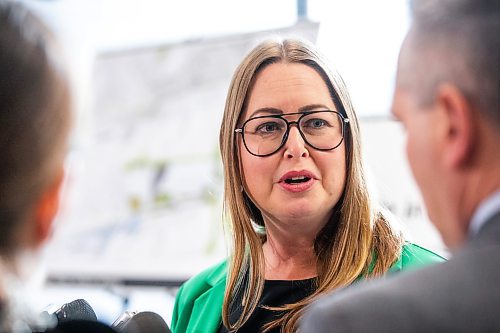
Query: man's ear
[(459, 127), (47, 207)]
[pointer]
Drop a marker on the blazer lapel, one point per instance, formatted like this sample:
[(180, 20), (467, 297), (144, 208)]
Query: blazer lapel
[(207, 309)]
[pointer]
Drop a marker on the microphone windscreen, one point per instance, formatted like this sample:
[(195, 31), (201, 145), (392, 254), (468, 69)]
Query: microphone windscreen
[(77, 310), (146, 321)]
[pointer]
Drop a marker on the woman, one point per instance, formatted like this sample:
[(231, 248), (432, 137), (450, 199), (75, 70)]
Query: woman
[(301, 217)]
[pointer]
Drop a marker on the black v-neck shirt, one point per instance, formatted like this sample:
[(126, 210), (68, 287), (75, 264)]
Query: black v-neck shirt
[(276, 293)]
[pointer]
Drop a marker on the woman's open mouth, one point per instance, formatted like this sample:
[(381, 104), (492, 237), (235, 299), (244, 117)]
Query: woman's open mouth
[(297, 181)]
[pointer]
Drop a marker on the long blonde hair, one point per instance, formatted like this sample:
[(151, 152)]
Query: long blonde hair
[(357, 233)]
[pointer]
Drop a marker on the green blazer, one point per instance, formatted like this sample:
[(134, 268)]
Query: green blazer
[(198, 305)]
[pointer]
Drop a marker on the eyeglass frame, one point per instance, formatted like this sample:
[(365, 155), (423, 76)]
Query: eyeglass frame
[(345, 121)]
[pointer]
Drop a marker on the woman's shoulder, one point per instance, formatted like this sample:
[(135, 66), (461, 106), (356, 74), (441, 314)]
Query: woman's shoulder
[(205, 280), (414, 256), (209, 282)]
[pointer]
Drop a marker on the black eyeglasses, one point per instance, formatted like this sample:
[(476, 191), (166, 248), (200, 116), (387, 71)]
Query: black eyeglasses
[(265, 135)]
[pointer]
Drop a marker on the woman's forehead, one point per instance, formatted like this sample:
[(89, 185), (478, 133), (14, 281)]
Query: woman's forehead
[(287, 87)]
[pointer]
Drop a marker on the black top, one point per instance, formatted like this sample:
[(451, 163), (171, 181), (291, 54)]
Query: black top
[(276, 293)]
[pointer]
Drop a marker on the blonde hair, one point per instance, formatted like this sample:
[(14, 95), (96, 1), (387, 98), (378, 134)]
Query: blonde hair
[(357, 233)]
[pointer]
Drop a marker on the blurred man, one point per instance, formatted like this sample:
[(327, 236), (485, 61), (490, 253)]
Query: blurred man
[(447, 97), (35, 118)]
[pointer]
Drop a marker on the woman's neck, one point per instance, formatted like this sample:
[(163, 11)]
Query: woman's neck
[(289, 257)]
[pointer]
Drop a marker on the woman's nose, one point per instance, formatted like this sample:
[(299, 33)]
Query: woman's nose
[(295, 145)]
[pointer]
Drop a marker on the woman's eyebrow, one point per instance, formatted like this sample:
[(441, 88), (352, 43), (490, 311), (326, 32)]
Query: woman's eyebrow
[(273, 111), (313, 107), (276, 111)]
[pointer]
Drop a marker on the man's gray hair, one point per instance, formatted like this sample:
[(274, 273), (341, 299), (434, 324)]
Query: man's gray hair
[(455, 41)]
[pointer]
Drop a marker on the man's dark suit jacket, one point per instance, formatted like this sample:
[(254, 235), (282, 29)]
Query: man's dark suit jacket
[(461, 295)]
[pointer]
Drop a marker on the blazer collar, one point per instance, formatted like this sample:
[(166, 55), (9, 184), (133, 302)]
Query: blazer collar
[(217, 276), (207, 308), (489, 232)]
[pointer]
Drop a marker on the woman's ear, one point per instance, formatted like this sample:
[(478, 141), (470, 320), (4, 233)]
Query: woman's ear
[(46, 209)]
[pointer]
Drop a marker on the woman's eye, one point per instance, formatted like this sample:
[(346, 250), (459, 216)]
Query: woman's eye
[(316, 123), (269, 127)]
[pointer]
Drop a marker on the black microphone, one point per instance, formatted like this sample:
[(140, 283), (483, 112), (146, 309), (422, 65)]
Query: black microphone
[(75, 314), (142, 322), (79, 309)]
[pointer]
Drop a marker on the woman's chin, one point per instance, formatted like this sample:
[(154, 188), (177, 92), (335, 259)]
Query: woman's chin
[(297, 213)]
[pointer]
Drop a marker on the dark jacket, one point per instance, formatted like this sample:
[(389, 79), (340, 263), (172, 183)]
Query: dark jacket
[(460, 295)]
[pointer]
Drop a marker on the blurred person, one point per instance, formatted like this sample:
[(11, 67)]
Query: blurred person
[(301, 217), (35, 117), (447, 97)]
